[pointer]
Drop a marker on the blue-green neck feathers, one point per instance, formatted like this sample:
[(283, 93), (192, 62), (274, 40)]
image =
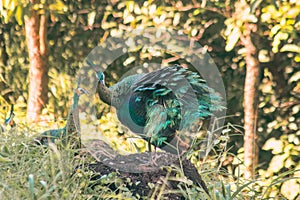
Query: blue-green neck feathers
[(75, 100), (115, 95)]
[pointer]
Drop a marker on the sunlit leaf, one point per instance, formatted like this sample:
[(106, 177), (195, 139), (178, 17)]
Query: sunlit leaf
[(277, 163), (129, 60), (290, 189), (290, 48), (176, 19), (275, 29), (254, 5), (196, 11), (273, 144), (58, 6), (233, 38), (137, 9), (130, 5), (19, 15), (91, 18)]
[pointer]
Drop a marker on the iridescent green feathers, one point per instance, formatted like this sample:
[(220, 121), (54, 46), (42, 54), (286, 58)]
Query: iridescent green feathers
[(158, 104), (183, 93)]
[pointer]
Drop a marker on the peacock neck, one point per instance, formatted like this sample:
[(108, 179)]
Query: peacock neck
[(105, 94), (75, 100)]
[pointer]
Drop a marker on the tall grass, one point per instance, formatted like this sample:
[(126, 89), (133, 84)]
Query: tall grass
[(30, 171)]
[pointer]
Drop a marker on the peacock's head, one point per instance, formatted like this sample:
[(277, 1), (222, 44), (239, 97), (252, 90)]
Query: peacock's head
[(81, 91), (99, 74), (101, 77)]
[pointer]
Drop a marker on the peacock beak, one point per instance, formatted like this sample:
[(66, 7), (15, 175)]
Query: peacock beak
[(83, 91)]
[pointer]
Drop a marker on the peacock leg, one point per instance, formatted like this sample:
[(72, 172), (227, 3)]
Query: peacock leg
[(153, 157), (149, 145)]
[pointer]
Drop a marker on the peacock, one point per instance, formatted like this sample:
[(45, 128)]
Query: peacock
[(9, 120), (157, 105), (72, 125)]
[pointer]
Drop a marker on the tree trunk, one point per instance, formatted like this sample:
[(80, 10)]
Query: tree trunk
[(251, 103), (36, 29), (4, 56)]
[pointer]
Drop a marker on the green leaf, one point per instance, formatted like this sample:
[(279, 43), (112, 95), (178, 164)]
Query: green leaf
[(196, 12), (4, 159), (4, 151)]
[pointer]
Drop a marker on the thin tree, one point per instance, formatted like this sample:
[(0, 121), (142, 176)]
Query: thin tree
[(251, 91), (36, 32)]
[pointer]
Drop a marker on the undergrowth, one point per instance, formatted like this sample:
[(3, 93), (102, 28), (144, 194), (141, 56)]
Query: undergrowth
[(31, 171)]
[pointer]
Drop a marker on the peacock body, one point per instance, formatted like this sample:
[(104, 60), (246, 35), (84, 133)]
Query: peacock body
[(157, 105), (72, 125)]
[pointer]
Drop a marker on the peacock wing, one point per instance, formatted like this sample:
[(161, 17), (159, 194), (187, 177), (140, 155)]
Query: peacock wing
[(193, 98), (123, 89), (132, 112), (171, 87)]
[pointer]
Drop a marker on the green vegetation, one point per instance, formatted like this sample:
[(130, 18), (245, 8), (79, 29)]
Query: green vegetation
[(30, 171), (246, 39)]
